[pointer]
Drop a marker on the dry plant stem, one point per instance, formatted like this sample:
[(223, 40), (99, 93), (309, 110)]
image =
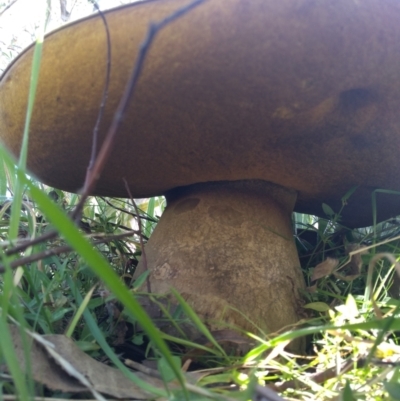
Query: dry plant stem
[(61, 249), (23, 245), (105, 92), (94, 173), (140, 235), (7, 7), (65, 14), (93, 155), (128, 212), (26, 244), (142, 368)]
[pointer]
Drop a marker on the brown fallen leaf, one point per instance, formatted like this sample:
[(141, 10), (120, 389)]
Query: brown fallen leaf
[(324, 268), (312, 289), (44, 369), (355, 263), (352, 268), (58, 363)]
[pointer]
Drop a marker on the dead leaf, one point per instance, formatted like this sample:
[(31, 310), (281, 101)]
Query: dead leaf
[(53, 365), (44, 370), (312, 289), (324, 269), (355, 263)]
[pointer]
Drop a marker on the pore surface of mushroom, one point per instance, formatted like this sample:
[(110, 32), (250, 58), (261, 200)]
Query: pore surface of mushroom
[(244, 111)]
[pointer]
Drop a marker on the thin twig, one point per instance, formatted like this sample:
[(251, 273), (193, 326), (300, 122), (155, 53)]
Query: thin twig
[(7, 7), (105, 92), (26, 244), (148, 218), (144, 258), (142, 368), (65, 14), (93, 156), (95, 172), (61, 249)]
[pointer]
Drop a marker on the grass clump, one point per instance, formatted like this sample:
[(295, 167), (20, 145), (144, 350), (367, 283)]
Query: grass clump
[(350, 317), (74, 276)]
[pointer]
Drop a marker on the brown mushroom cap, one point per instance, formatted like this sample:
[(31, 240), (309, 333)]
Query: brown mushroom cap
[(301, 93)]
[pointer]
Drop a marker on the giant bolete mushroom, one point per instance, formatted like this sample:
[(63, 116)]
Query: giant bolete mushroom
[(244, 111)]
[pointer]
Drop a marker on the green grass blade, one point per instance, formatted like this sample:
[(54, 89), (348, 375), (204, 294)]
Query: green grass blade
[(148, 225), (196, 320), (79, 313), (19, 188), (98, 335), (8, 352), (3, 181), (96, 261)]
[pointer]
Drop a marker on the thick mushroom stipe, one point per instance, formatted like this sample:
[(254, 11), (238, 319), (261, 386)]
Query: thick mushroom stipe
[(228, 248)]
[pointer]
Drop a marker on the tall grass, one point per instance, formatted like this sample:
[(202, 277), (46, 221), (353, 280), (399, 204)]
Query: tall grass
[(351, 323)]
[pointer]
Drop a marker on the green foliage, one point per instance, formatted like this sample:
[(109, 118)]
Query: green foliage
[(351, 318)]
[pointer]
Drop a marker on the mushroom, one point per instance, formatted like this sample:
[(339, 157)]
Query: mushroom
[(245, 110)]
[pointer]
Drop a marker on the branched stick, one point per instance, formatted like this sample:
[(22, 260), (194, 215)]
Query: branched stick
[(95, 172)]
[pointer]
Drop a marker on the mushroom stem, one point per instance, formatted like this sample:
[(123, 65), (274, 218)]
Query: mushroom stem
[(228, 248)]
